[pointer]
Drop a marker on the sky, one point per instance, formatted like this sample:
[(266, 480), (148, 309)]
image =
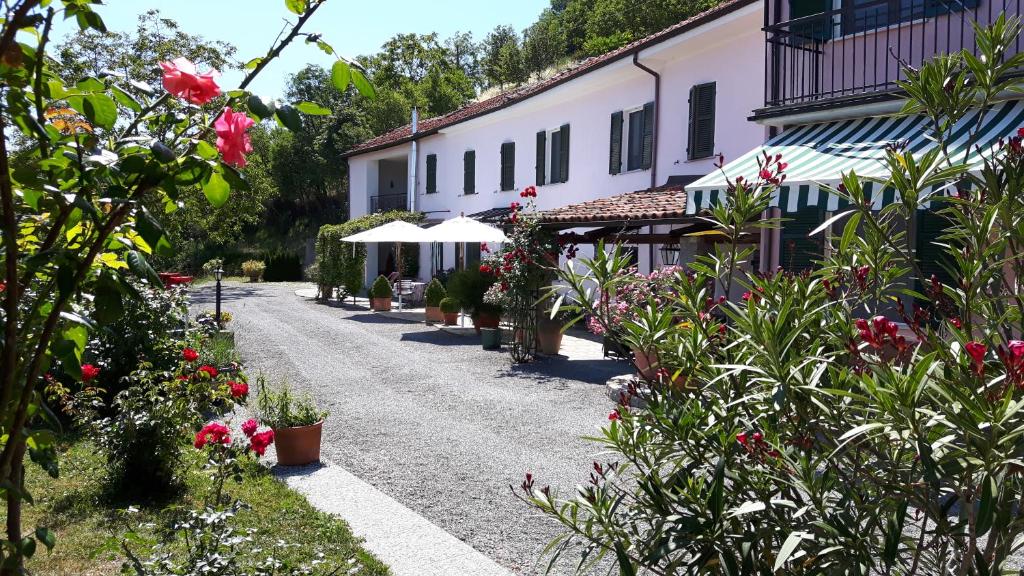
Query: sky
[(352, 27)]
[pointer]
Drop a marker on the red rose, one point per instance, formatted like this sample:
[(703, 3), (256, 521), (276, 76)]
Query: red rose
[(212, 433), (259, 442), (183, 80), (189, 355), (233, 141), (250, 426), (485, 269), (239, 389), (209, 370), (89, 372)]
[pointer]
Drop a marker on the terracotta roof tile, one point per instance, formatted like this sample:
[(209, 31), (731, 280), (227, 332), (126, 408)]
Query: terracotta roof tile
[(430, 126), (662, 203)]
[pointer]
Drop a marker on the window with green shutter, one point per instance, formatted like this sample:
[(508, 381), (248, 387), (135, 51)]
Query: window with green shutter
[(469, 172), (615, 145), (647, 152), (431, 173), (799, 250), (563, 153), (542, 142), (508, 166), (931, 258), (701, 142)]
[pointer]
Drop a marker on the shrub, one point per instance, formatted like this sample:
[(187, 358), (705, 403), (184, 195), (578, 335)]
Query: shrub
[(253, 269), (285, 409), (211, 316), (449, 305), (210, 265), (468, 287), (283, 267), (381, 288), (434, 293), (342, 264)]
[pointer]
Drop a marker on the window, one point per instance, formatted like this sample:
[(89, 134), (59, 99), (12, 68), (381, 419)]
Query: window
[(431, 173), (701, 143), (633, 130), (864, 15), (508, 166), (555, 163), (469, 172)]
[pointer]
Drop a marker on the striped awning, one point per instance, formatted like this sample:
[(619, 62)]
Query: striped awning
[(819, 154)]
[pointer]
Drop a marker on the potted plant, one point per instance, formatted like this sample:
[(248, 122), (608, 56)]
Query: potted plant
[(435, 292), (380, 294), (296, 420), (549, 333), (450, 310), (253, 269), (468, 287)]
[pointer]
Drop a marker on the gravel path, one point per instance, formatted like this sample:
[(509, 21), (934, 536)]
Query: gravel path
[(430, 418)]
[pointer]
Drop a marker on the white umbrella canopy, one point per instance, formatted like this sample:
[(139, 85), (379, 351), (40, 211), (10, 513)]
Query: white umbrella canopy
[(463, 229), (396, 231)]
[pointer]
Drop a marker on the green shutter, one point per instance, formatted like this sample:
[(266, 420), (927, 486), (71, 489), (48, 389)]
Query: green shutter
[(701, 142), (563, 156), (508, 166), (431, 173), (542, 141), (615, 147), (648, 150), (931, 259), (469, 172), (799, 250)]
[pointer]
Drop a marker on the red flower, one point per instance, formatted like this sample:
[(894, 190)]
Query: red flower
[(485, 248), (747, 296), (956, 323), (189, 355), (614, 415), (249, 428), (212, 433), (258, 442), (209, 370), (239, 389), (977, 350), (3, 286), (485, 269), (514, 206), (232, 139), (183, 80), (742, 438), (89, 372), (529, 192)]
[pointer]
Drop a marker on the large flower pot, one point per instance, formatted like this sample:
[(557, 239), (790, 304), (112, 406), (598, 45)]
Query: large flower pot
[(486, 321), (380, 304), (646, 364), (549, 338), (434, 314), (451, 318), (298, 446), (490, 338)]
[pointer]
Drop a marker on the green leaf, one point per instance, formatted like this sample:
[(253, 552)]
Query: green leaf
[(312, 109), (108, 300), (139, 266), (986, 511), (206, 150), (289, 117), (90, 85), (90, 19), (625, 564), (362, 84), (296, 6), (47, 537), (100, 109), (260, 108), (788, 547), (27, 547), (341, 75), (252, 63), (152, 232), (125, 99), (216, 189)]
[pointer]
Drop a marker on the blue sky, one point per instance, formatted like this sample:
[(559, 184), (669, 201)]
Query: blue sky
[(353, 27)]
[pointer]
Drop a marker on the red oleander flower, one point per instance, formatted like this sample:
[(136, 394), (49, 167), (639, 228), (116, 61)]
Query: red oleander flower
[(747, 296), (249, 428), (189, 355), (742, 438), (212, 433), (89, 372), (238, 389), (977, 350), (182, 79), (258, 442), (956, 323), (209, 370), (614, 415)]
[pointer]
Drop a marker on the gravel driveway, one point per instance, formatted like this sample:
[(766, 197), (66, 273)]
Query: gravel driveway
[(430, 418)]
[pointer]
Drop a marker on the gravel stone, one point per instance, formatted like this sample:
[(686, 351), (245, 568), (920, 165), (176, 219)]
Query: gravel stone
[(430, 418)]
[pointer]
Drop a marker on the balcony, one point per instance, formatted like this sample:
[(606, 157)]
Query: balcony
[(388, 202), (852, 54)]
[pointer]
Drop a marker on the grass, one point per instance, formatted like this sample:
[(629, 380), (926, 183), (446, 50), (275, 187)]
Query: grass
[(77, 508)]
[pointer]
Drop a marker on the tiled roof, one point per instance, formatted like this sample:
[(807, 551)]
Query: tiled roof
[(430, 126), (662, 203)]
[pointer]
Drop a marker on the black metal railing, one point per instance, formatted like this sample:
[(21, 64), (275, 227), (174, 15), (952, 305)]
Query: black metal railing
[(858, 49), (386, 202)]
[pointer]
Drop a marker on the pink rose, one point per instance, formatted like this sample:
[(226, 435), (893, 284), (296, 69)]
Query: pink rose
[(232, 140), (183, 80)]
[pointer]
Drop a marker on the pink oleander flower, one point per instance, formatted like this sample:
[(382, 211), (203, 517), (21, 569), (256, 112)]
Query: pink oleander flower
[(183, 80), (232, 140)]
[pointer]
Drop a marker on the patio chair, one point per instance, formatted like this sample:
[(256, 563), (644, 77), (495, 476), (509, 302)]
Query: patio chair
[(407, 291)]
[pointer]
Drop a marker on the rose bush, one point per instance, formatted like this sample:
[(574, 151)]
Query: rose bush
[(822, 424)]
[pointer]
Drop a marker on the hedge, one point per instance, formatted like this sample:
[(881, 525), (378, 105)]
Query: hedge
[(341, 266)]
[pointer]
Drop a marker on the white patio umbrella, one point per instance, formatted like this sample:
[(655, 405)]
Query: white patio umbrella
[(463, 230), (397, 232)]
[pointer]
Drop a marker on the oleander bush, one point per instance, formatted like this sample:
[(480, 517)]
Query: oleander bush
[(862, 418)]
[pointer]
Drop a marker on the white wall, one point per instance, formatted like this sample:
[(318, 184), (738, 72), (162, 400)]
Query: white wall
[(728, 51)]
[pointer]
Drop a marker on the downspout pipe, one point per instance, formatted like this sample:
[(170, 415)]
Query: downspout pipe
[(657, 115), (414, 161)]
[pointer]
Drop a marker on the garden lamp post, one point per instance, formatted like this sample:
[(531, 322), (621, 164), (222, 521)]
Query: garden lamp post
[(218, 274)]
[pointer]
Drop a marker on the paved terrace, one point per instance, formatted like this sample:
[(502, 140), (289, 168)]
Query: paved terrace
[(429, 420)]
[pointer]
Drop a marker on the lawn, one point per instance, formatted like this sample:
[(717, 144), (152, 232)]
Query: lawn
[(84, 517)]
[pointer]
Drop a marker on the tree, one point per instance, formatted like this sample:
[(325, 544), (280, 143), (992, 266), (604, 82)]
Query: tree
[(543, 43), (502, 57)]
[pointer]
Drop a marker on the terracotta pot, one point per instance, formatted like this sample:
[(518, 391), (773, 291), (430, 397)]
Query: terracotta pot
[(451, 318), (380, 304), (434, 314), (486, 321), (646, 363), (298, 446), (549, 338)]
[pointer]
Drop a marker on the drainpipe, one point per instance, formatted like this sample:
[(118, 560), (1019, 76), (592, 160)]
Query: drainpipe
[(414, 160), (657, 115)]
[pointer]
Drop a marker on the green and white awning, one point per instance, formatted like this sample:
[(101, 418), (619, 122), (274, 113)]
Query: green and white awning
[(819, 154)]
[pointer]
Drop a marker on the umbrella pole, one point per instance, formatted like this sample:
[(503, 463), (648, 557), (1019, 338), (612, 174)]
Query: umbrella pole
[(398, 264)]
